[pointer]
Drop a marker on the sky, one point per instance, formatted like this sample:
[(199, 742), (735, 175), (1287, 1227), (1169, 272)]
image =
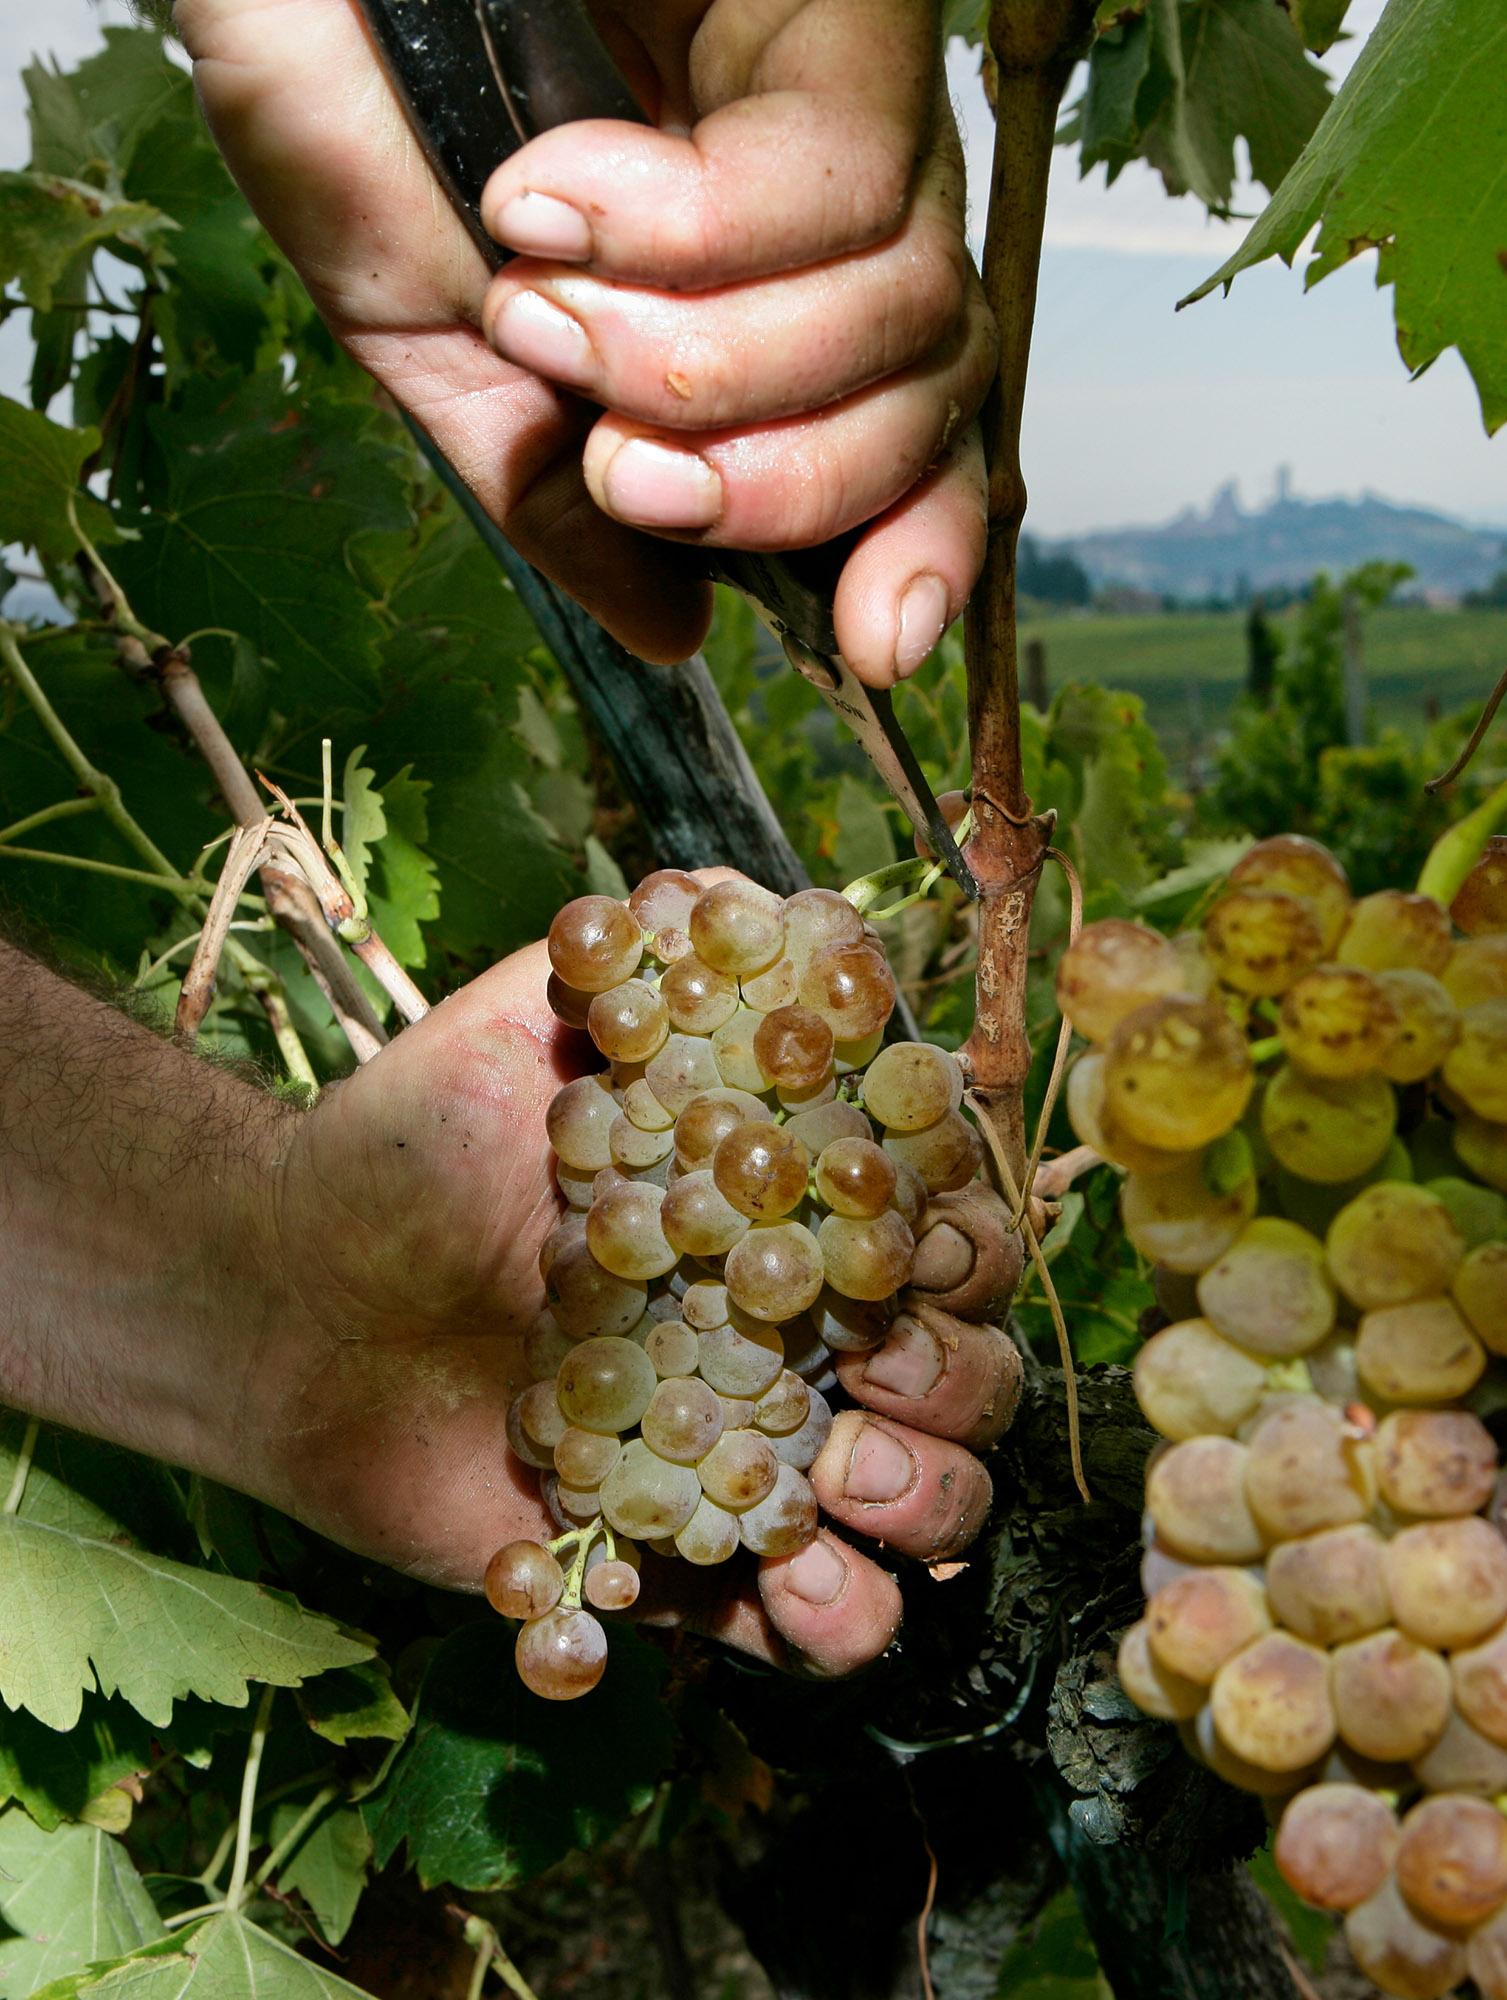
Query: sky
[(1133, 411)]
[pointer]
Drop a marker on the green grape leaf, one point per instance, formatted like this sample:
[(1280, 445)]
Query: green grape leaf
[(1055, 1960), (86, 121), (1408, 161), (495, 1784), (40, 466), (261, 494), (74, 1775), (865, 837), (1319, 22), (405, 885), (328, 1867), (363, 823), (67, 1897), (224, 1958), (353, 1702), (45, 221)]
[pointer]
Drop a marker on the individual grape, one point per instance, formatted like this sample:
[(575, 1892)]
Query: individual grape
[(818, 1127), (1299, 867), (523, 1580), (611, 1585), (1394, 1243), (733, 1051), (738, 927), (784, 1406), (1111, 968), (624, 1233), (793, 1048), (595, 943), (739, 1470), (673, 1348), (699, 1219), (1154, 1690), (1190, 1379), (706, 1121), (628, 1022), (1418, 1353), (1480, 1291), (850, 1057), (866, 1258), (583, 1458), (1090, 1120), (697, 999), (1482, 1146), (784, 1520), (684, 1068), (776, 1271), (946, 1155), (854, 1177), (635, 1150), (1177, 1074), (1480, 1677), (1335, 1845), (1195, 1492), (1486, 1958), (1477, 971), (545, 1346), (1261, 941), (1309, 1468), (1480, 905), (850, 1326), (683, 1420), (795, 1101), (778, 985), (1204, 1742), (1395, 930), (761, 1171), (1428, 1022), (1452, 1861), (1270, 1292), (741, 1360), (566, 1003), (911, 1197), (605, 1384), (1203, 1618), (802, 1448), (1480, 1213), (1476, 1067), (815, 919), (1271, 1703), (851, 987), (1399, 1951), (586, 1299), (1463, 1760), (1331, 1587), (738, 1413), (1435, 1462), (1391, 1696), (1338, 1021), (1179, 1221), (1448, 1581), (910, 1085), (665, 899), (705, 1304), (646, 1495), (711, 1534), (577, 1187), (563, 1654), (579, 1123), (670, 945), (541, 1417), (1326, 1130)]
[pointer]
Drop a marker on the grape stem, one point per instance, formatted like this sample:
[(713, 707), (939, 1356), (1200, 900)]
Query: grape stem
[(236, 1889), (24, 1456), (582, 1540), (490, 1957)]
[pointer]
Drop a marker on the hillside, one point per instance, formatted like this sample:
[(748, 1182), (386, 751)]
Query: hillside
[(1225, 551)]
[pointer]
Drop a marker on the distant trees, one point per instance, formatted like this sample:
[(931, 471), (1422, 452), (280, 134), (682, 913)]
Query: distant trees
[(1054, 579)]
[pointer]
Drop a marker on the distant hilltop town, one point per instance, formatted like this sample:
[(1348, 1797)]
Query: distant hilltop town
[(1226, 553)]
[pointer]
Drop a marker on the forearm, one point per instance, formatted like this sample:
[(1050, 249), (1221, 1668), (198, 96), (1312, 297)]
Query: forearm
[(138, 1267)]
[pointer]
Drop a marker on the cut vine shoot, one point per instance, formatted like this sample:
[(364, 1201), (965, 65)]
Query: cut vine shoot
[(745, 1184)]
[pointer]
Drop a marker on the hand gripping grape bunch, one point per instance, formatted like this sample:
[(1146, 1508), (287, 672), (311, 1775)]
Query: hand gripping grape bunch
[(1325, 1571), (745, 1186)]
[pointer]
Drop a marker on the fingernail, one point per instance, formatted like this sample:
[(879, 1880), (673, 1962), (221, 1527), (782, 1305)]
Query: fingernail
[(880, 1467), (923, 620), (655, 486), (529, 330), (541, 226), (818, 1574), (908, 1364)]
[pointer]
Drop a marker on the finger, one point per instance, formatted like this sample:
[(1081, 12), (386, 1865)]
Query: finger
[(805, 153), (742, 353), (798, 482), (911, 572), (942, 1375), (832, 1606), (923, 1495)]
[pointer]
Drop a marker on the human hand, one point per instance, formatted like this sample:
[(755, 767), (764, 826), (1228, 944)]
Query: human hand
[(770, 293), (412, 1204)]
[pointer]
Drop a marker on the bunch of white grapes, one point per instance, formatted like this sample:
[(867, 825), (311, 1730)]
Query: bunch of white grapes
[(1308, 1095), (744, 1183)]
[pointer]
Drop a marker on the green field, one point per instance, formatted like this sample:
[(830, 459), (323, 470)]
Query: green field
[(1189, 667)]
